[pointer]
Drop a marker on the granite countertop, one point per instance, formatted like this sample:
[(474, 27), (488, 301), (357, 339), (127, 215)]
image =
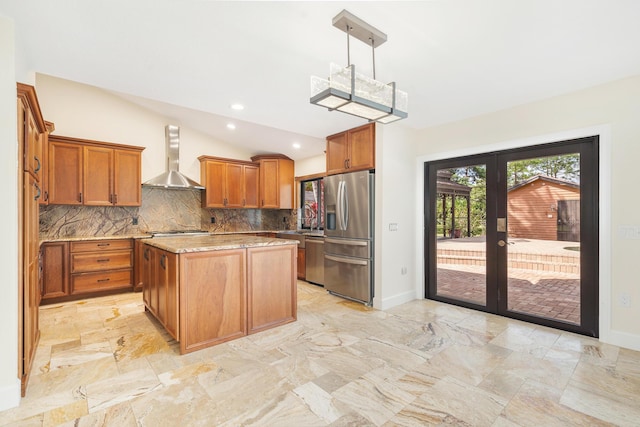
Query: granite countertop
[(82, 238), (148, 235), (187, 244)]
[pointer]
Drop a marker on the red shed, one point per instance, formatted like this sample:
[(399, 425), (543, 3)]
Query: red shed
[(544, 208)]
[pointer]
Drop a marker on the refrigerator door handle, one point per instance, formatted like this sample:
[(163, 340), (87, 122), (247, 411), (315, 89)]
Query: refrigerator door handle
[(346, 260), (339, 206), (346, 242), (345, 201)]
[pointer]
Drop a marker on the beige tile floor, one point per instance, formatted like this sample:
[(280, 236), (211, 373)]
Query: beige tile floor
[(105, 362)]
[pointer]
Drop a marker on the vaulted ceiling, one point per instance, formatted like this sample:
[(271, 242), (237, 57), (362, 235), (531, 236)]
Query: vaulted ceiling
[(191, 59)]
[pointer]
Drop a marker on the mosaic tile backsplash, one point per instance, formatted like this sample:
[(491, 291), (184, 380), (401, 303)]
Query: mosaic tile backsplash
[(161, 210)]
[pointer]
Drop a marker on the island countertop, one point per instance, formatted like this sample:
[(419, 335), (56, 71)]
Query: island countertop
[(189, 243)]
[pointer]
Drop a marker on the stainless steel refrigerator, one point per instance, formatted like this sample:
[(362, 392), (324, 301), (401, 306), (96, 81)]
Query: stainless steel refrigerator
[(349, 239)]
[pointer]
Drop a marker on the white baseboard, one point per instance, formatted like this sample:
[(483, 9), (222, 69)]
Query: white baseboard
[(622, 339), (10, 395), (398, 299)]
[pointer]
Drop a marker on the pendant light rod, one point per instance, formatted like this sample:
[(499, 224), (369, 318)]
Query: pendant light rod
[(373, 55), (348, 50), (352, 25)]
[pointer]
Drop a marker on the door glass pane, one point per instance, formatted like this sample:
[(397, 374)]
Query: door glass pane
[(543, 243), (461, 233)]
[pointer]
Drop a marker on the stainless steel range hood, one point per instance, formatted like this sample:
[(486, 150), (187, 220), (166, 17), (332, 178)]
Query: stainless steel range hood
[(172, 178)]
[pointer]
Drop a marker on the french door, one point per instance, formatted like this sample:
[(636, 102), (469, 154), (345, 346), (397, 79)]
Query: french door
[(515, 233)]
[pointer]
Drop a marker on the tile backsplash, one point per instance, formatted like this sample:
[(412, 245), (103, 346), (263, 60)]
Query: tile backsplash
[(161, 210)]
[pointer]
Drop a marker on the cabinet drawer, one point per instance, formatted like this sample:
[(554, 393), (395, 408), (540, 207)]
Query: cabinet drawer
[(101, 245), (100, 261), (91, 282)]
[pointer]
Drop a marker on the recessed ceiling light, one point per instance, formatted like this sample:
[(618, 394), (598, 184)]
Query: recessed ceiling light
[(296, 145), (231, 126), (237, 107)]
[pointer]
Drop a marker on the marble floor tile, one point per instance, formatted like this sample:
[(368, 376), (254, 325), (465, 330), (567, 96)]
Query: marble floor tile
[(538, 404), (106, 362)]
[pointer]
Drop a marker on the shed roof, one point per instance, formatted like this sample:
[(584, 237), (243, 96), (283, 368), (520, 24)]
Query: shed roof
[(557, 181)]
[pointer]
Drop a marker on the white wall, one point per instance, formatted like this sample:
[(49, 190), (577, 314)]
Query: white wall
[(84, 111), (611, 110), (311, 165), (395, 187), (9, 382)]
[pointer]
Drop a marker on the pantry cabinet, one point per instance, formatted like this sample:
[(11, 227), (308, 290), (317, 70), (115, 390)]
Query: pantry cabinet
[(92, 173), (276, 181), (229, 183), (352, 150), (30, 129)]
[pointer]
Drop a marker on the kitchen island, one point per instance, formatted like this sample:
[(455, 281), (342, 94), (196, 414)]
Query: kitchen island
[(206, 290)]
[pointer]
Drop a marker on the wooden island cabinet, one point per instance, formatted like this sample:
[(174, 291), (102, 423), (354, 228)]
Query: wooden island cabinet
[(206, 290)]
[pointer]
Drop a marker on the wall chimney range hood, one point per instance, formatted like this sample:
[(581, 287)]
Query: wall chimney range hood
[(172, 178)]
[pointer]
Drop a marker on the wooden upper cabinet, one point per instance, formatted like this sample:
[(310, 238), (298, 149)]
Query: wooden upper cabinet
[(352, 150), (270, 183), (65, 172), (276, 181), (31, 127), (337, 153), (98, 176), (44, 173), (235, 185), (251, 186), (213, 176), (127, 177), (94, 173), (229, 183)]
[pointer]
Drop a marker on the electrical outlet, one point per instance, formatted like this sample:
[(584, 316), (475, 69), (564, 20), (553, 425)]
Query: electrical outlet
[(213, 220), (403, 270), (134, 220), (624, 299)]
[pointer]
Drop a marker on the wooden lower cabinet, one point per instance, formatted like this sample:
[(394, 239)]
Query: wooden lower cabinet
[(271, 283), (222, 295), (302, 263), (55, 266), (80, 269), (213, 305)]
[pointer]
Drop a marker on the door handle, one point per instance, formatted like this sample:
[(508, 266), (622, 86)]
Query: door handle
[(502, 243), (347, 242), (347, 260)]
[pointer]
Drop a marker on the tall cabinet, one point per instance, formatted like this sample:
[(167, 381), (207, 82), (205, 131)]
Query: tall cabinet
[(31, 131)]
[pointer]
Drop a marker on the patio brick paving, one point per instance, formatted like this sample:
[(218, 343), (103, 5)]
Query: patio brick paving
[(554, 295)]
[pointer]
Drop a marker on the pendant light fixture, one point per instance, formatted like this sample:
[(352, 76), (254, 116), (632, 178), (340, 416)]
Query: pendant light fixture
[(354, 93)]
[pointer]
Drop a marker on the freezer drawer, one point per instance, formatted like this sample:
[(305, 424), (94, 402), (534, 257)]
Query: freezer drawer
[(347, 247), (348, 277)]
